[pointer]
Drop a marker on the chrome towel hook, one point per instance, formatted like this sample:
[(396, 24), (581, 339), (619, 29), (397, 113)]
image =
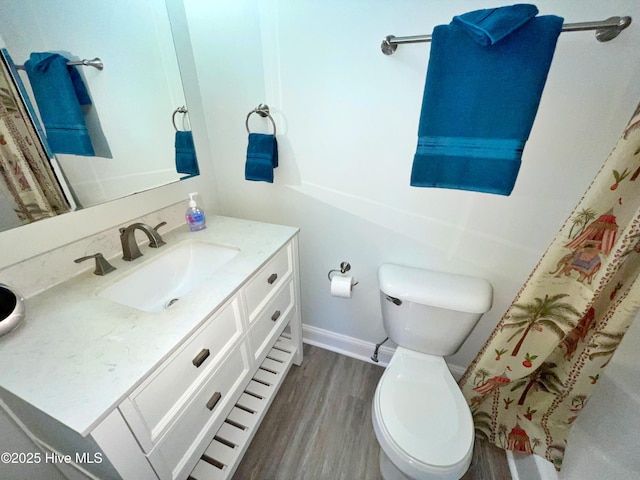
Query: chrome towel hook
[(263, 111)]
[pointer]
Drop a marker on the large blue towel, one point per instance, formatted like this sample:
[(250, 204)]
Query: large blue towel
[(60, 92), (186, 160), (262, 157), (481, 98)]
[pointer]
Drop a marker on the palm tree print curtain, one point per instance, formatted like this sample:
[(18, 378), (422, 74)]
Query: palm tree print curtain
[(538, 368), (26, 177)]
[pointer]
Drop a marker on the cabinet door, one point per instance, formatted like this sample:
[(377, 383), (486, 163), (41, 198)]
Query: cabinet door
[(268, 280), (201, 418), (159, 399), (271, 320)]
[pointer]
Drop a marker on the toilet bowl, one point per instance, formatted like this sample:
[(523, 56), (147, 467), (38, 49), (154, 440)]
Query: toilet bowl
[(421, 420), (420, 417)]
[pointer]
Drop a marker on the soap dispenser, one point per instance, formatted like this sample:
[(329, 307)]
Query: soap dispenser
[(195, 215)]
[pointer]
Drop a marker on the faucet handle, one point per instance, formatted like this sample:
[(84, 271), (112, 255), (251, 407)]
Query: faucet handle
[(155, 240), (102, 265)]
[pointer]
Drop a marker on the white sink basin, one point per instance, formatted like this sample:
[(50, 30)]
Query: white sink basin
[(162, 281)]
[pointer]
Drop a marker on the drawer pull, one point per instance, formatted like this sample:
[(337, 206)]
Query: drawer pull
[(211, 404), (201, 357), (275, 315), (272, 278)]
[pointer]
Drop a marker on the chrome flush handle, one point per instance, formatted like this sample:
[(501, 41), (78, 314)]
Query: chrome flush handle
[(394, 300)]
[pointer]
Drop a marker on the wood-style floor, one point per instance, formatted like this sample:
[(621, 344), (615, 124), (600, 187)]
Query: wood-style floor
[(319, 427)]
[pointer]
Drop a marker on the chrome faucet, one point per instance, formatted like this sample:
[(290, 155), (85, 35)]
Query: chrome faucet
[(130, 249)]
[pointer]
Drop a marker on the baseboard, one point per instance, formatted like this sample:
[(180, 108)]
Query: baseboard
[(349, 346), (530, 467), (354, 347), (546, 469), (513, 468), (456, 370)]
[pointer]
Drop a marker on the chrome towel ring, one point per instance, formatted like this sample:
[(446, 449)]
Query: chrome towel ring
[(182, 109), (263, 111)]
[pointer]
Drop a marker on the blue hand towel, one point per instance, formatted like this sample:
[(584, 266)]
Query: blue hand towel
[(262, 157), (60, 92), (480, 102), (186, 160)]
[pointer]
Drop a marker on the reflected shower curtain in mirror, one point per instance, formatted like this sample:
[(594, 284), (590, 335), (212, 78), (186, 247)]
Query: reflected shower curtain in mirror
[(538, 368), (26, 178)]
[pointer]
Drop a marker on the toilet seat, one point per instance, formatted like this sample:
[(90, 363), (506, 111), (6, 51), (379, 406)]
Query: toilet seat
[(421, 418)]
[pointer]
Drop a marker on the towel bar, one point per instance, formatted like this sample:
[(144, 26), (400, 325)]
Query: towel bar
[(95, 63), (605, 30), (263, 111)]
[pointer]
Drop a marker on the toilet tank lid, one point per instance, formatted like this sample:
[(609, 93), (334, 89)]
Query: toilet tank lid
[(461, 293)]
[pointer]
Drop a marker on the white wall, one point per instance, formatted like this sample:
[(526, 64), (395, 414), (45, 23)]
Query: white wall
[(347, 121)]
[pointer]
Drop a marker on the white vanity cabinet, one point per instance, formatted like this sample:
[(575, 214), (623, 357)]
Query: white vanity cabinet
[(194, 414), (178, 405), (178, 410), (152, 408)]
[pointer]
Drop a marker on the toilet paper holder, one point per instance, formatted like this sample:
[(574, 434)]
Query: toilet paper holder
[(344, 268)]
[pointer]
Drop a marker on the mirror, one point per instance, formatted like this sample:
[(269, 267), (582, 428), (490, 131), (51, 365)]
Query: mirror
[(135, 99)]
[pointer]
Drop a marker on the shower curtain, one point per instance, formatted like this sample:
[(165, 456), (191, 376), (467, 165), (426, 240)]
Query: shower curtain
[(26, 177), (537, 370)]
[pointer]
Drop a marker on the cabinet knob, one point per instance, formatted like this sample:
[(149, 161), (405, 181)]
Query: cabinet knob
[(213, 401), (201, 357), (275, 315), (272, 278)]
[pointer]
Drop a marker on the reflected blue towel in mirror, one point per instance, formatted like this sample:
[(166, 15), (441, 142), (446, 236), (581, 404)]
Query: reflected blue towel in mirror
[(481, 98), (60, 93), (262, 157), (186, 160)]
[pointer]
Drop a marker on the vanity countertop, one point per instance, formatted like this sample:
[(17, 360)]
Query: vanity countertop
[(76, 356)]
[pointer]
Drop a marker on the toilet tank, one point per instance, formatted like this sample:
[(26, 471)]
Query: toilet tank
[(428, 311)]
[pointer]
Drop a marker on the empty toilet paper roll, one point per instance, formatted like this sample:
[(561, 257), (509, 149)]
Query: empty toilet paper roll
[(341, 286)]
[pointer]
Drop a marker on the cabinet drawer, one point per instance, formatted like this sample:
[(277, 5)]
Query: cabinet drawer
[(267, 281), (271, 317), (199, 416), (160, 397)]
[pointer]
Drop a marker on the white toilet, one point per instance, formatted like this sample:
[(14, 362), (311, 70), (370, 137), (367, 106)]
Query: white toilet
[(420, 417)]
